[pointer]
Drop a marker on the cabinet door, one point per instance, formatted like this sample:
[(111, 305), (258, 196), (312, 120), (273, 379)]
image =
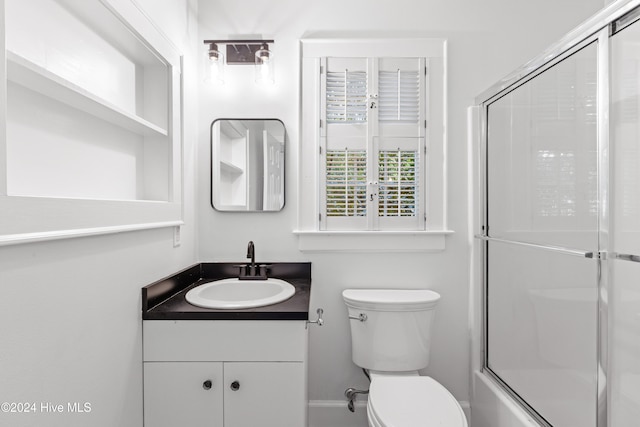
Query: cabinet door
[(266, 394), (178, 394)]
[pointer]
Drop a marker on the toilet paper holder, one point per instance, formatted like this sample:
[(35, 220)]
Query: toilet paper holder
[(319, 321)]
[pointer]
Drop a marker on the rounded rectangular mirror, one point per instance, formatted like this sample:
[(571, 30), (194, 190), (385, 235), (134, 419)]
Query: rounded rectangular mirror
[(247, 165)]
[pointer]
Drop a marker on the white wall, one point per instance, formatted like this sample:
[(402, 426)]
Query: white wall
[(70, 323), (486, 40)]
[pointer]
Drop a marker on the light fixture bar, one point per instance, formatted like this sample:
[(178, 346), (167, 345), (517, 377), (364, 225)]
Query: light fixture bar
[(241, 51), (238, 41)]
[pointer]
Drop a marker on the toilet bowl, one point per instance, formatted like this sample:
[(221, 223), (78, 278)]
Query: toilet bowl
[(391, 338)]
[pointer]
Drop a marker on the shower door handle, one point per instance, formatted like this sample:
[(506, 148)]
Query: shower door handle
[(627, 257), (558, 249)]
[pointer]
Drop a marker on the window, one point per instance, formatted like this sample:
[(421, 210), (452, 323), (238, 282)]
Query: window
[(373, 152), (372, 142)]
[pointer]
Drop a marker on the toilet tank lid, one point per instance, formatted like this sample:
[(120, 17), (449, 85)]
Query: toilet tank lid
[(391, 299)]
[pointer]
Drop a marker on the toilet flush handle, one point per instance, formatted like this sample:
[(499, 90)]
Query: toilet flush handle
[(362, 317)]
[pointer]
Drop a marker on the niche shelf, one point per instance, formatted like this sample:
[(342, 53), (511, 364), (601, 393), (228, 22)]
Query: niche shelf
[(230, 168), (90, 137), (36, 78)]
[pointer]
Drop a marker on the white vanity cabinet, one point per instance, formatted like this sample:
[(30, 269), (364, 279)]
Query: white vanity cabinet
[(231, 373), (183, 394)]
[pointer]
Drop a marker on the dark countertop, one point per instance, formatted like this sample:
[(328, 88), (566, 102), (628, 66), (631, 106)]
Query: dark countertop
[(165, 299)]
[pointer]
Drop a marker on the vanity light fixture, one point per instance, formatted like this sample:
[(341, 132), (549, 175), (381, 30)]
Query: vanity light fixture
[(239, 52), (214, 65), (264, 65)]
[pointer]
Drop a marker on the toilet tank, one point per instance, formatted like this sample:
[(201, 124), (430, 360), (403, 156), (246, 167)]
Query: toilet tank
[(396, 335)]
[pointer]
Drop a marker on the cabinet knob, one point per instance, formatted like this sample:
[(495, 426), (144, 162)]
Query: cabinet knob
[(207, 385), (235, 386)]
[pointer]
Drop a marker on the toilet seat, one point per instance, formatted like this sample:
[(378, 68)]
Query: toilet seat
[(412, 401)]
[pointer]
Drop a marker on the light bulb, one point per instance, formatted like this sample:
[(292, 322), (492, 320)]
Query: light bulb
[(214, 66), (264, 65)]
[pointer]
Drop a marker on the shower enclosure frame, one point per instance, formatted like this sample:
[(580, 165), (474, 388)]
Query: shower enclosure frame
[(597, 29)]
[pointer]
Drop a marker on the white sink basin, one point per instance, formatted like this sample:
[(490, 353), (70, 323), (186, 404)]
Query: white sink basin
[(235, 293)]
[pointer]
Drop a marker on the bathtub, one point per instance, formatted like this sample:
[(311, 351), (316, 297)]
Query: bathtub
[(492, 407)]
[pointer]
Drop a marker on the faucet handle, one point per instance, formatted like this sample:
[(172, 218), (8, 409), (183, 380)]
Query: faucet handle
[(242, 269)]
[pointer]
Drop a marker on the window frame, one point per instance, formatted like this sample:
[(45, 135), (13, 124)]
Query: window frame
[(431, 237)]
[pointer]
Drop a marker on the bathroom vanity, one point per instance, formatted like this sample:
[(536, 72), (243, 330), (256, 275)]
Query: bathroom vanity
[(231, 368)]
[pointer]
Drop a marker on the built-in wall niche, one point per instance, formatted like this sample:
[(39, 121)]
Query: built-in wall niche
[(92, 120)]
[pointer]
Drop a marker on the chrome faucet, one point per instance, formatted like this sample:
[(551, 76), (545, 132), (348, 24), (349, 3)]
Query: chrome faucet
[(251, 253)]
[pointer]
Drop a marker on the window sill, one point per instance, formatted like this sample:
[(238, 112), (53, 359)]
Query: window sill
[(372, 241)]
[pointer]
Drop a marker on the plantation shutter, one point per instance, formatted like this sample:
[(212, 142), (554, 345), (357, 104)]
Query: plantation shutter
[(399, 143), (401, 97), (344, 139), (346, 183), (399, 94), (398, 182), (372, 140), (346, 96), (344, 193), (400, 174)]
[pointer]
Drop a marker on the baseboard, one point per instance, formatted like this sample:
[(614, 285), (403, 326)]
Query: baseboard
[(466, 408), (334, 413)]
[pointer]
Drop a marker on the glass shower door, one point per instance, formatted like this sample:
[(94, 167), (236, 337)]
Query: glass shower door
[(624, 295), (542, 217)]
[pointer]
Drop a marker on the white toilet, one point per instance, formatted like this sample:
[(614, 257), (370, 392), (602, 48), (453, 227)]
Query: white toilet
[(391, 337)]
